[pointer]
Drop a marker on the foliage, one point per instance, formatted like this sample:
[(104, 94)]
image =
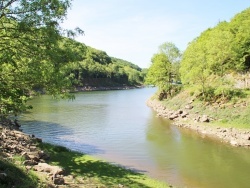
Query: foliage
[(32, 51), (159, 73), (36, 55), (239, 27), (24, 178), (216, 54), (194, 66), (174, 55), (164, 70), (97, 65)]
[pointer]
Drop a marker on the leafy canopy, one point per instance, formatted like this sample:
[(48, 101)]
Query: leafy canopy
[(212, 58), (164, 69), (33, 51)]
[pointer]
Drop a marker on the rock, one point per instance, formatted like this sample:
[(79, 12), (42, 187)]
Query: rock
[(173, 116), (224, 130), (184, 114), (247, 137), (189, 106), (179, 111), (43, 155), (28, 167), (30, 163), (204, 118), (58, 180), (44, 167), (33, 148), (197, 119), (233, 143), (204, 132)]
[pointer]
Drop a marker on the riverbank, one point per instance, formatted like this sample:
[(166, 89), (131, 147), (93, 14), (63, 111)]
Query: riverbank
[(105, 88), (40, 164), (182, 110)]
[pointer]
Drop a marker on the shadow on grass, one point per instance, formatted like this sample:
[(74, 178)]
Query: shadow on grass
[(86, 166), (11, 176)]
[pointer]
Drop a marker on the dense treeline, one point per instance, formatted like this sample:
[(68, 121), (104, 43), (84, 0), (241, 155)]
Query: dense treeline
[(97, 68), (216, 54), (36, 54), (212, 61)]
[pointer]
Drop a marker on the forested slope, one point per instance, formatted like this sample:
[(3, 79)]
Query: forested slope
[(37, 55), (212, 74), (215, 61), (98, 69)]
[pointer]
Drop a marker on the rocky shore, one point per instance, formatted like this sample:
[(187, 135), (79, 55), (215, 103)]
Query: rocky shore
[(14, 142), (38, 165), (107, 88), (201, 124)]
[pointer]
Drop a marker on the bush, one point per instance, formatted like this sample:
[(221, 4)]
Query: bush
[(212, 94)]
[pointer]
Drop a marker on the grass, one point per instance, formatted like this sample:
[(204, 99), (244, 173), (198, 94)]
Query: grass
[(97, 172), (86, 171), (16, 174), (228, 114)]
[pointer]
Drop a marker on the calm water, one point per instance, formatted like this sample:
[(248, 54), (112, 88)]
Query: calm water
[(118, 126)]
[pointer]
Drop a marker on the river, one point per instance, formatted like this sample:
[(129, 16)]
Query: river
[(117, 126)]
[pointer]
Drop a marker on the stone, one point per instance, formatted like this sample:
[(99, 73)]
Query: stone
[(58, 180), (189, 106), (43, 155), (204, 118), (233, 143), (247, 137), (44, 167), (180, 111), (28, 167), (30, 163), (184, 114), (173, 116), (204, 132)]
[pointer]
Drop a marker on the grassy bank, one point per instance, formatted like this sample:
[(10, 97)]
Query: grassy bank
[(80, 171), (14, 174), (231, 113)]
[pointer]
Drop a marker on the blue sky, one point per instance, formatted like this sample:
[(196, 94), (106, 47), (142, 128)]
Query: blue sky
[(133, 29)]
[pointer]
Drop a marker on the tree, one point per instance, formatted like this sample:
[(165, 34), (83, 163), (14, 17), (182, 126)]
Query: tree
[(32, 54), (174, 56), (239, 27), (164, 69), (194, 67), (211, 58), (159, 73)]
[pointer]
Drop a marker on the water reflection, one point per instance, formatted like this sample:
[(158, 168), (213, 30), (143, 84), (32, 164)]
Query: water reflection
[(119, 127), (59, 135), (188, 159)]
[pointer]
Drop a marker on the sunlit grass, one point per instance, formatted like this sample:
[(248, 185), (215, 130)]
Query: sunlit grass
[(231, 113), (86, 170), (96, 171)]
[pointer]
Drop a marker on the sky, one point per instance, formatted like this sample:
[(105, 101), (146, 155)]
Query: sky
[(134, 29)]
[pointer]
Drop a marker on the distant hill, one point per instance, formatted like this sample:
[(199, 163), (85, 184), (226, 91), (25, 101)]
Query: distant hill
[(97, 68)]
